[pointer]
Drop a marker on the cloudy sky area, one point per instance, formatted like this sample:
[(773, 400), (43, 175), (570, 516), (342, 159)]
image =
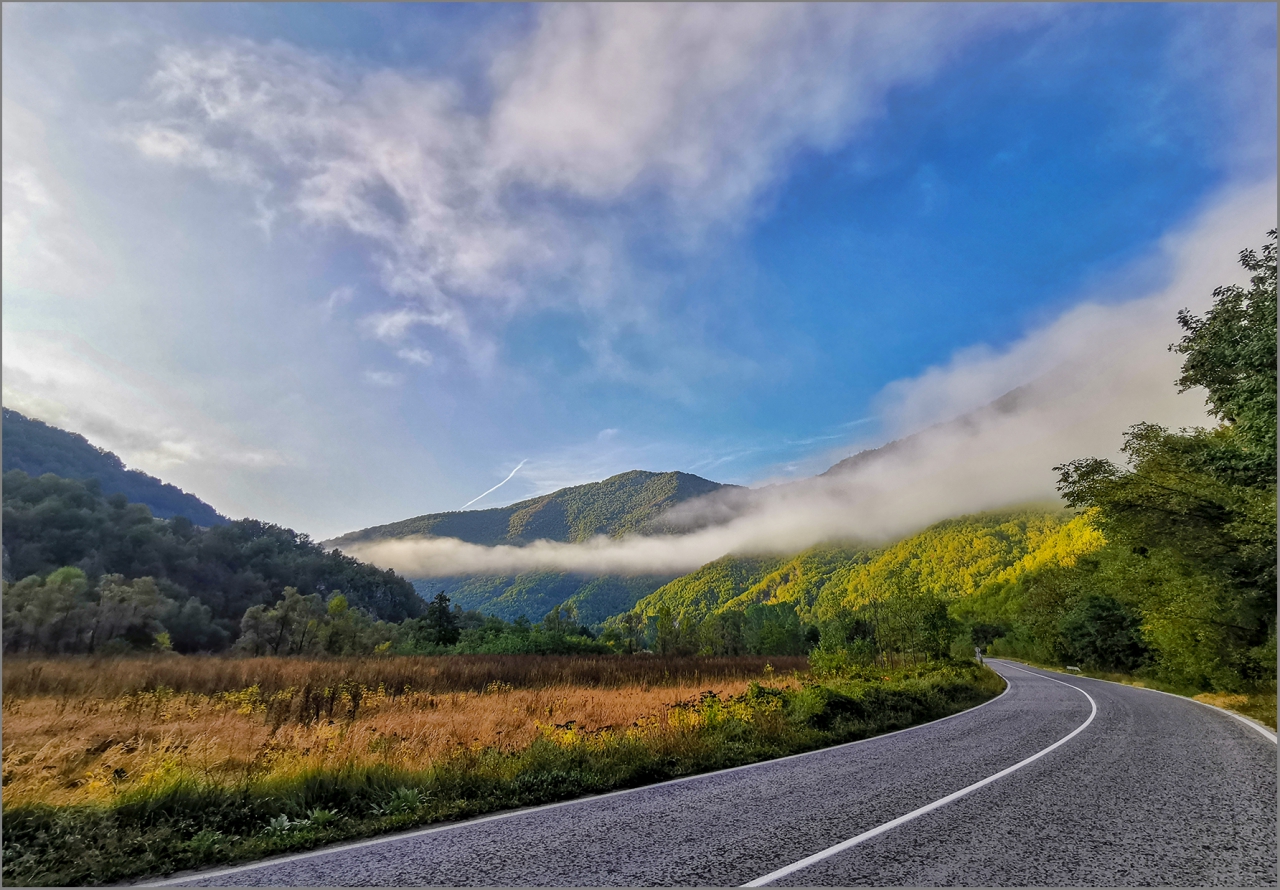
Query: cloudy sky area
[(333, 265)]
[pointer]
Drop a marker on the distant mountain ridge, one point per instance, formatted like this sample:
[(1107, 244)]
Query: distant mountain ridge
[(634, 501), (628, 502), (37, 448)]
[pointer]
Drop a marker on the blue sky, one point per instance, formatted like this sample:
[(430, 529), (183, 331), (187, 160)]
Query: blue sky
[(330, 265)]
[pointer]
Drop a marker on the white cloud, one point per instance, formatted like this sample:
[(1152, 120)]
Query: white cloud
[(1081, 381), (391, 327), (415, 356), (64, 381), (383, 378), (699, 106)]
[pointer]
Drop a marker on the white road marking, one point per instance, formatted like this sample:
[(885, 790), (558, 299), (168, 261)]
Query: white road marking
[(386, 839), (1247, 721), (927, 808)]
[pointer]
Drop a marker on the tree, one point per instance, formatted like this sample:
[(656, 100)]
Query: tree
[(773, 629), (191, 628), (666, 635), (633, 630), (562, 620), (721, 633), (48, 615), (1099, 632), (1197, 509), (128, 613), (1231, 352), (438, 625)]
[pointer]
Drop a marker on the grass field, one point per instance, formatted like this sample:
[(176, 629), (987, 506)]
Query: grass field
[(77, 731), (114, 770)]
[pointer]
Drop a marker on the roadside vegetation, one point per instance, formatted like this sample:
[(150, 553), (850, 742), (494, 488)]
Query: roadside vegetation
[(109, 776), (1258, 704)]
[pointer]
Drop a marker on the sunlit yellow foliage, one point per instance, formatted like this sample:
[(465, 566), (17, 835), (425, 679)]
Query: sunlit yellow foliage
[(959, 557)]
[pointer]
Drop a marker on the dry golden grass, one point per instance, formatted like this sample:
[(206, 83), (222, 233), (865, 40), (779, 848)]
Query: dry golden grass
[(77, 747), (108, 677), (1261, 706)]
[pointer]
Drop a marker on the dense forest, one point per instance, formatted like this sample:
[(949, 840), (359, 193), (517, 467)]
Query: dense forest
[(536, 593), (37, 448), (71, 546)]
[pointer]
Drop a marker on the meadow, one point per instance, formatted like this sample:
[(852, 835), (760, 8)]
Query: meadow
[(116, 769), (79, 731)]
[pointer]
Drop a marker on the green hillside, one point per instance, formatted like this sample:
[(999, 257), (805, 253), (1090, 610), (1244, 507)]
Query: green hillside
[(952, 560), (957, 558), (802, 579), (534, 594), (694, 596), (620, 504), (36, 448)]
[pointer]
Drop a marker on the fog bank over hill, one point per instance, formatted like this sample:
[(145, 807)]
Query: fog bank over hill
[(981, 432)]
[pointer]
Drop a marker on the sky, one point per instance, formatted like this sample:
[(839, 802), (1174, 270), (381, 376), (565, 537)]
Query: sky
[(334, 265)]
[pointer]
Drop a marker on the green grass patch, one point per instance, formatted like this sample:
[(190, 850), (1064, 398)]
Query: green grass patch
[(183, 822)]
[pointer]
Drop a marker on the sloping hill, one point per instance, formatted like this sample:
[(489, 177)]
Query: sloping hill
[(50, 522), (956, 559), (534, 594), (959, 558), (628, 502), (37, 448), (694, 596)]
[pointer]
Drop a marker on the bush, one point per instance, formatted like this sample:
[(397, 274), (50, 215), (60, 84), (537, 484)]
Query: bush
[(1101, 633)]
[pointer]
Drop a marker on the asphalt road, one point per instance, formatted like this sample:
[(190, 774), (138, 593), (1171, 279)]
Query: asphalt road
[(1148, 789)]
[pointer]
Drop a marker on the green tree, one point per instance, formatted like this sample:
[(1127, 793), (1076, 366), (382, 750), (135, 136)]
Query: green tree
[(127, 614), (191, 627), (1231, 352), (1196, 510), (1099, 632), (666, 634), (440, 625), (48, 615)]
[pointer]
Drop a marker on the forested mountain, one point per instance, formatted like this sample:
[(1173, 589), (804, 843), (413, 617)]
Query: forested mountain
[(51, 523), (534, 594), (37, 448), (951, 560), (693, 596), (628, 502)]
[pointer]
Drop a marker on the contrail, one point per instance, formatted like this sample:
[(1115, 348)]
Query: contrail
[(496, 487)]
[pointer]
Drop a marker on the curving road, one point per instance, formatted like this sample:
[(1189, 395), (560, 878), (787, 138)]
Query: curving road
[(1058, 781)]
